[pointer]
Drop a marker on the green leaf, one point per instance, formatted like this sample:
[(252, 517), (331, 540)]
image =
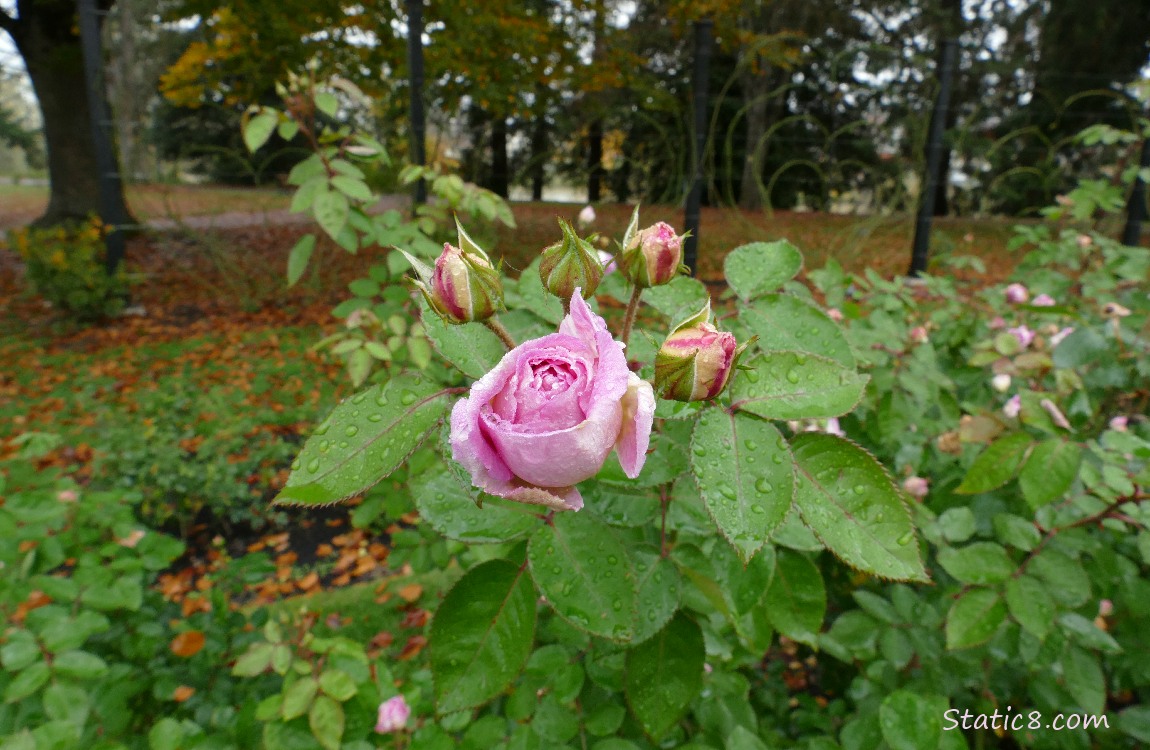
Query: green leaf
[(973, 618), (65, 702), (326, 720), (481, 635), (338, 684), (797, 599), (1084, 680), (678, 300), (351, 187), (166, 734), (664, 674), (659, 590), (1064, 576), (365, 439), (795, 385), (981, 563), (741, 738), (1135, 721), (851, 504), (26, 682), (1030, 605), (79, 665), (996, 465), (1016, 531), (745, 475), (20, 651), (298, 258), (957, 524), (759, 267), (331, 210), (1049, 471), (471, 348), (365, 287), (298, 697), (255, 661), (911, 721), (583, 569), (786, 323), (259, 129), (448, 506), (1087, 634), (327, 102)]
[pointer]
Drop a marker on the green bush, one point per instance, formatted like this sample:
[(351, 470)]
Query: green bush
[(65, 265)]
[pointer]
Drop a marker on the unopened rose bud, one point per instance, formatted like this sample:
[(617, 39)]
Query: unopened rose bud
[(997, 323), (570, 264), (1064, 200), (463, 286), (1013, 406), (1105, 608), (916, 487), (696, 360), (1016, 294), (1043, 300), (1085, 241), (393, 715), (1024, 335), (1000, 382), (1114, 310), (835, 314), (1119, 423), (919, 335), (586, 217), (651, 256), (67, 496)]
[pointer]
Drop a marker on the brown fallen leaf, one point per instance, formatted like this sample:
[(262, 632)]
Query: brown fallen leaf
[(187, 643), (410, 593)]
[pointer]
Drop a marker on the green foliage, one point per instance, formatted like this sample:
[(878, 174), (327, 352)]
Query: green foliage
[(65, 265)]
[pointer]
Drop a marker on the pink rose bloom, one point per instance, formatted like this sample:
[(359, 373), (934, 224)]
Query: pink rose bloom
[(1043, 300), (586, 216), (1016, 293), (608, 262), (1024, 335), (393, 715), (549, 413), (916, 487), (1013, 406)]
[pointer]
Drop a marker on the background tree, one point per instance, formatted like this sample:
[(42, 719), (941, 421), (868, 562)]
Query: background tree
[(46, 35)]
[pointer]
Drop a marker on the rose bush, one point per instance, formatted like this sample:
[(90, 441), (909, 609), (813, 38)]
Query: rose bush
[(547, 416)]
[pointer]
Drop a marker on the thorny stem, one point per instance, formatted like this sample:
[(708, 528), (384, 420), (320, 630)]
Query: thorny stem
[(629, 317), (503, 334), (1107, 512)]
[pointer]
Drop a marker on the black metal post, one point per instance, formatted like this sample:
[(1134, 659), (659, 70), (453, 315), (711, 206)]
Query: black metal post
[(1136, 205), (110, 186), (934, 152), (700, 79), (415, 63)]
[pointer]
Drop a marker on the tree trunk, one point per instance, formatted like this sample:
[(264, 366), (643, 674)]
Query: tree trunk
[(538, 157), (595, 161), (499, 177), (46, 38), (755, 88)]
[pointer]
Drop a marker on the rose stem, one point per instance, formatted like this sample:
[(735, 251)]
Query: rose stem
[(503, 334), (629, 318)]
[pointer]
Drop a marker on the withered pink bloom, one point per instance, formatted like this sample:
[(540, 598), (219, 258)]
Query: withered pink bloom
[(1055, 413), (832, 427), (1024, 335), (1043, 300), (997, 322), (1013, 406), (1000, 382), (393, 715), (1085, 241), (1016, 293), (1057, 338), (549, 413)]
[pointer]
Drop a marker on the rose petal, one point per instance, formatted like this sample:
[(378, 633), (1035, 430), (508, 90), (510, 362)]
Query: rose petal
[(561, 458), (635, 433)]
